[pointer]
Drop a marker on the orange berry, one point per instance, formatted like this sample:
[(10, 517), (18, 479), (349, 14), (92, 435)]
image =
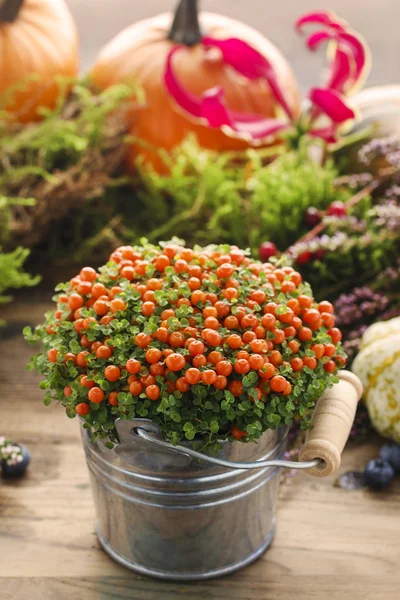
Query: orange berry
[(112, 373), (135, 388), (113, 398), (248, 337), (221, 382), (212, 323), (98, 289), (294, 346), (288, 389), (296, 364), (325, 307), (117, 305), (310, 362), (223, 308), (142, 340), (194, 283), (153, 392), (234, 341), (67, 391), (237, 433), (209, 377), (133, 366), (162, 335), (196, 347), (52, 355), (318, 350), (88, 274), (330, 350), (213, 338), (335, 334), (193, 376), (70, 356), (279, 336), (242, 354), (278, 383), (96, 395), (147, 308), (198, 297), (275, 358), (147, 380), (175, 362), (85, 382), (230, 293), (82, 409), (235, 388), (305, 334), (259, 346), (242, 366), (286, 317), (161, 262), (305, 301), (328, 320), (177, 339), (103, 352), (330, 366), (289, 332), (182, 385), (84, 288), (157, 369), (81, 358), (267, 371), (153, 355), (75, 301), (256, 361), (224, 367), (199, 361)]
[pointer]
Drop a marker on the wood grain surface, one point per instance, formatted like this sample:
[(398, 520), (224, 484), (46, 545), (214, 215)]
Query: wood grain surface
[(330, 543)]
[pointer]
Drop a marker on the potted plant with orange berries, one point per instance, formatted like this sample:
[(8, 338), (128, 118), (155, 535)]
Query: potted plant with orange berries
[(207, 347)]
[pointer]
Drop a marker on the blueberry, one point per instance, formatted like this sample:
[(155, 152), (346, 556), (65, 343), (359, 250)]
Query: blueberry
[(378, 474), (18, 469), (391, 453)]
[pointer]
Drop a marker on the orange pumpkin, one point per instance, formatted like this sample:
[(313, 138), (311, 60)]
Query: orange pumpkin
[(139, 53), (38, 42)]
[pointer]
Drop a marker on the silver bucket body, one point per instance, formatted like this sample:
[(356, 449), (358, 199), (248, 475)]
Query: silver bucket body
[(164, 514)]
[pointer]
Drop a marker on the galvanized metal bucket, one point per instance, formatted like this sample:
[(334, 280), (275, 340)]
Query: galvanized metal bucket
[(174, 513), (165, 514)]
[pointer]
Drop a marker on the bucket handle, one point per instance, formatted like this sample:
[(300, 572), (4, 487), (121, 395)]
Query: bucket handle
[(331, 423)]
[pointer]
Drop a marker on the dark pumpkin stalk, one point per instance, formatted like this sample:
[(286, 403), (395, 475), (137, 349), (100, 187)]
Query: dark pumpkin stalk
[(9, 10), (185, 27)]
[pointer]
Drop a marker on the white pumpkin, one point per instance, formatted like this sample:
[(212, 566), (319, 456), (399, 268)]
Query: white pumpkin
[(378, 366), (380, 330)]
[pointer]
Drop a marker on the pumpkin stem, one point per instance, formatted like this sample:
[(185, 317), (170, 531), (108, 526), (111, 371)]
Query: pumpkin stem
[(9, 10), (185, 27)]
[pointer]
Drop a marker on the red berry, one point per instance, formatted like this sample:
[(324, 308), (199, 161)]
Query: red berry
[(303, 258), (266, 250), (337, 209), (312, 216)]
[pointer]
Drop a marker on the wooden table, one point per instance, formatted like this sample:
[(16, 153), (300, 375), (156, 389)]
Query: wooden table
[(330, 543)]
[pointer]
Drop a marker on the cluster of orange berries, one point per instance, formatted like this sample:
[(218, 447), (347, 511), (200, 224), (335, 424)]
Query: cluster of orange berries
[(240, 317)]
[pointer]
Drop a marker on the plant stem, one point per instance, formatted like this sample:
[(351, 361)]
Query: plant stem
[(9, 10), (310, 235), (185, 27)]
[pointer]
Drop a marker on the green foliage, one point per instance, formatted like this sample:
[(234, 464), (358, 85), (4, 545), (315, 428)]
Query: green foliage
[(12, 275), (239, 199)]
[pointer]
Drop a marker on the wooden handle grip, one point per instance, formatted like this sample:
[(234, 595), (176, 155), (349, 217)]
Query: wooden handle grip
[(331, 424)]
